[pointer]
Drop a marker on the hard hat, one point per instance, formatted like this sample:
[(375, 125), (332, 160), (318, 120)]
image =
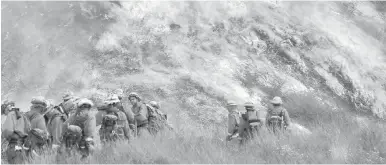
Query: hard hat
[(39, 100), (231, 103), (276, 100), (134, 94), (85, 101), (103, 106), (119, 92), (111, 117), (154, 104), (112, 99), (68, 95), (248, 104)]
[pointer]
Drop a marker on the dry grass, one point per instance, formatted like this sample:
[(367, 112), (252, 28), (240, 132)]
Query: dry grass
[(192, 76), (336, 138)]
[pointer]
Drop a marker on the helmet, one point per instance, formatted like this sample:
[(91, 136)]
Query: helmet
[(231, 103), (7, 102), (85, 101), (119, 93), (103, 106), (111, 117), (68, 95), (39, 100), (249, 104), (5, 105), (112, 99), (133, 94), (154, 104), (276, 100)]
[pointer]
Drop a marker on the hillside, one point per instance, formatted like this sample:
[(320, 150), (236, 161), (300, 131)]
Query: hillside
[(326, 59)]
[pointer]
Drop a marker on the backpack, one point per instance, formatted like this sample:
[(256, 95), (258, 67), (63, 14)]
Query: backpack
[(276, 119), (112, 128), (60, 108), (72, 136), (61, 114), (252, 117), (16, 124), (237, 118), (69, 105), (155, 117), (35, 135)]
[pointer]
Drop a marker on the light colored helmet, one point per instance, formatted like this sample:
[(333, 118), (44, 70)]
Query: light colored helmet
[(112, 99), (8, 102), (103, 106), (231, 103), (39, 100), (248, 104), (134, 94), (110, 117), (154, 104), (119, 93), (68, 95), (84, 101), (276, 100)]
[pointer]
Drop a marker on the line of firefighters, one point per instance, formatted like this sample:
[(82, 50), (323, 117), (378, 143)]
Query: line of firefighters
[(70, 126), (244, 126)]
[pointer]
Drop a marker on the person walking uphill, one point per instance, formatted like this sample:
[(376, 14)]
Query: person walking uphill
[(233, 121), (158, 121), (250, 123), (68, 106), (277, 117), (140, 114), (14, 134), (6, 107), (38, 136), (86, 122), (54, 121), (114, 125), (129, 114)]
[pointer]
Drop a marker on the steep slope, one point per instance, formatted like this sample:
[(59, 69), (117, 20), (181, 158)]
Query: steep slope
[(229, 48), (326, 59)]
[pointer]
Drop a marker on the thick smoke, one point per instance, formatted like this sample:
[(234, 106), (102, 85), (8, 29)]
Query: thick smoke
[(51, 46), (45, 46)]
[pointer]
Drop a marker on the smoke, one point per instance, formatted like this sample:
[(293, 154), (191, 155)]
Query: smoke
[(48, 44), (49, 47)]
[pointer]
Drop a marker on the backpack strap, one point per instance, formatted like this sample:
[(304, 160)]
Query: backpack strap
[(56, 115), (32, 116), (237, 118), (150, 110), (281, 114)]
